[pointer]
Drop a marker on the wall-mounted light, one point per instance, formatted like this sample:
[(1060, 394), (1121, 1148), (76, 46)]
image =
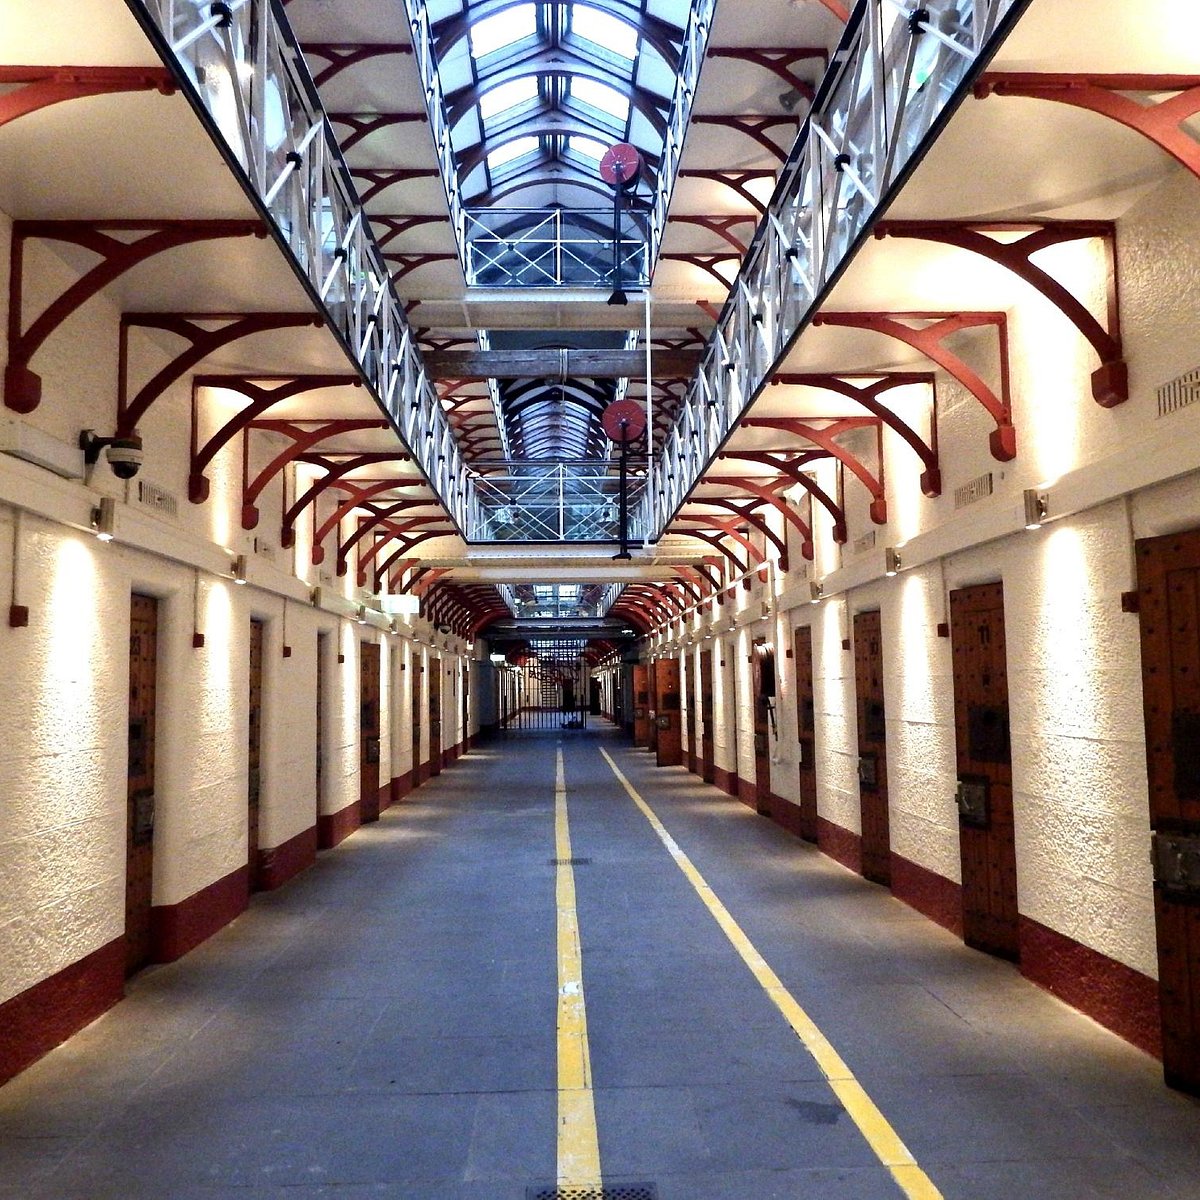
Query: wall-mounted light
[(815, 592), (104, 519), (891, 561), (1037, 507), (239, 569), (362, 614)]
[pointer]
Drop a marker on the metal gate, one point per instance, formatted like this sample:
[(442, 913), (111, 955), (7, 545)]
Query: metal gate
[(547, 688)]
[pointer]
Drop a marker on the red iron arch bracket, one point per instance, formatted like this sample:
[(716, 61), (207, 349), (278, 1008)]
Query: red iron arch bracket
[(930, 340), (381, 521), (781, 63), (746, 511), (727, 527), (335, 473), (758, 128), (303, 440), (372, 552), (201, 343), (341, 57), (40, 87), (1110, 381), (389, 228), (770, 493), (382, 178), (736, 181), (1160, 121), (362, 124), (723, 228), (22, 386), (708, 263), (715, 542), (263, 392), (826, 439), (791, 469), (868, 396), (405, 264), (358, 498)]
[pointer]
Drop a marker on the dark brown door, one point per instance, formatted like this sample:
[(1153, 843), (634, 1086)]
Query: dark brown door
[(418, 772), (435, 716), (1169, 601), (708, 758), (687, 688), (806, 725), (763, 663), (669, 743), (139, 860), (368, 730), (652, 723), (872, 748), (985, 812), (641, 705), (322, 651), (254, 751)]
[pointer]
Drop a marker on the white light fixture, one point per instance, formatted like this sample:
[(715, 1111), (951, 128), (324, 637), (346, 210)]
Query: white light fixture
[(891, 561), (1037, 507), (498, 659), (815, 592), (404, 605), (239, 569), (104, 519), (362, 614)]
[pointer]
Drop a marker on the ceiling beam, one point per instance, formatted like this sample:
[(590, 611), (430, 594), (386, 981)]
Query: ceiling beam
[(559, 364)]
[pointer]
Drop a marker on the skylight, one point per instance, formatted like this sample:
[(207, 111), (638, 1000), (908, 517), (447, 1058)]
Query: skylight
[(604, 30), (511, 151), (601, 96), (503, 29), (507, 95), (588, 147)]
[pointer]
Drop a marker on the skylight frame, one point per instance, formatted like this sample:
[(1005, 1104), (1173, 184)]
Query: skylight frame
[(502, 50)]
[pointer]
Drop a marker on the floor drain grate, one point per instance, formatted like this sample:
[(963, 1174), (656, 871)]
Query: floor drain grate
[(575, 862), (616, 1191)]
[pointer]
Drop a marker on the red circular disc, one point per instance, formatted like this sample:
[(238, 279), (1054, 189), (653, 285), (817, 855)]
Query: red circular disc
[(624, 420), (620, 164)]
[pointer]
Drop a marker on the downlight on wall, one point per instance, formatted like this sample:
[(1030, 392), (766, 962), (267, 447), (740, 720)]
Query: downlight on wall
[(1037, 508), (891, 561), (104, 519), (815, 592), (239, 570)]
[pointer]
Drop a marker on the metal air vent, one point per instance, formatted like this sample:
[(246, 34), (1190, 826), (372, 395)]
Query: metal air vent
[(1179, 393), (977, 489)]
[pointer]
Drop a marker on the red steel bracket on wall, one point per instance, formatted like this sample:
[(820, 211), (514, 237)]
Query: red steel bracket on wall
[(202, 341), (867, 394), (40, 87), (379, 519), (363, 124), (335, 473), (263, 392), (708, 263), (791, 467), (340, 57), (1110, 381), (746, 510), (930, 340), (22, 387), (824, 438), (304, 439), (360, 497), (758, 129), (736, 181), (781, 63)]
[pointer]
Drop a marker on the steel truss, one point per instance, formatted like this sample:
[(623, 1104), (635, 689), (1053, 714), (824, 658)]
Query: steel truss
[(898, 69), (241, 66)]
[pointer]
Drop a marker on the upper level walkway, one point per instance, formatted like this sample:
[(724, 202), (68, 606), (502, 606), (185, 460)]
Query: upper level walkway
[(415, 1017)]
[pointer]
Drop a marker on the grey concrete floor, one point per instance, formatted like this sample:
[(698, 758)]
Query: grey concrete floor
[(385, 1026)]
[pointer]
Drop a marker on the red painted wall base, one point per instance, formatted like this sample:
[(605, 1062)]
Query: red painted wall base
[(38, 1019), (401, 786), (929, 893), (281, 863), (333, 828), (178, 928), (726, 780), (840, 844)]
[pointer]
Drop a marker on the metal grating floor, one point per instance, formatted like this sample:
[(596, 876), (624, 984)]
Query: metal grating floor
[(616, 1191)]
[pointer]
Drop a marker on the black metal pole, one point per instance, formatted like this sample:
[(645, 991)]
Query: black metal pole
[(624, 493)]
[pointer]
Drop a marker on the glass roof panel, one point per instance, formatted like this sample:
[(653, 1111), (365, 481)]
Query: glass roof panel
[(503, 29), (604, 30), (588, 147), (506, 96), (600, 96), (511, 151)]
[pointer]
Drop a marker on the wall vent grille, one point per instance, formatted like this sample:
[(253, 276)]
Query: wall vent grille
[(864, 543), (157, 499), (1179, 393), (977, 489)]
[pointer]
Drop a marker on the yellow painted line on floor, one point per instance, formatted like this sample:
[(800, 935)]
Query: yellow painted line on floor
[(578, 1143), (873, 1125)]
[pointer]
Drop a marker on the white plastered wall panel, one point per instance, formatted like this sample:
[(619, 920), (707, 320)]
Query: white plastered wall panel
[(63, 754), (343, 747), (740, 650), (837, 734), (725, 714)]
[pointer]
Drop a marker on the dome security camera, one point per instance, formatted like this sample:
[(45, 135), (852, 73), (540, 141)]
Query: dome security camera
[(125, 455)]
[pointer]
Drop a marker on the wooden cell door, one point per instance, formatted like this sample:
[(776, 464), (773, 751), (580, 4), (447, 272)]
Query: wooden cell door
[(872, 748), (139, 829), (1169, 602), (435, 716), (763, 682), (652, 723), (806, 729), (254, 753), (668, 746), (687, 689), (985, 812), (368, 730), (708, 755), (418, 775), (641, 705)]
